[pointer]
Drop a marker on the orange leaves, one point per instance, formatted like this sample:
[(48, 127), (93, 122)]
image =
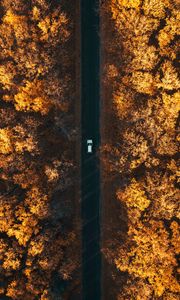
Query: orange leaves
[(36, 86), (37, 202), (16, 140), (167, 34), (35, 248), (7, 73), (123, 102), (18, 23), (155, 8), (171, 106), (142, 85), (12, 19), (130, 3), (51, 173), (21, 37), (150, 257), (36, 13), (23, 231), (5, 141), (175, 240), (119, 4), (11, 260), (170, 80), (53, 25), (31, 97), (134, 196), (144, 57), (143, 82), (44, 25)]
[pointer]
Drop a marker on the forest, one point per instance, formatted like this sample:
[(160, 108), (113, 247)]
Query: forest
[(39, 232), (139, 149), (40, 214)]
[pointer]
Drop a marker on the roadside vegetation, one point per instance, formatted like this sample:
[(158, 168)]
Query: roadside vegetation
[(140, 146), (39, 240)]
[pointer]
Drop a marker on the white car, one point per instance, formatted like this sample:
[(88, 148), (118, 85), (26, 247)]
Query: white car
[(89, 146)]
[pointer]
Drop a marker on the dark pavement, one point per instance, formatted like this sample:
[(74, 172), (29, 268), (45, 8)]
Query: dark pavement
[(90, 174)]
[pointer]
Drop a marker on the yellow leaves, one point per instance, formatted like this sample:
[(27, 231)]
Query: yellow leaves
[(129, 3), (26, 227), (31, 97), (150, 257), (143, 82), (171, 29), (7, 73), (28, 272), (173, 166), (156, 8), (13, 141), (169, 111), (5, 141), (131, 24), (37, 202), (171, 103), (175, 240), (164, 195), (11, 261), (164, 38), (18, 23), (134, 196), (11, 288), (170, 78), (52, 25), (12, 19), (51, 173), (144, 57), (29, 43), (36, 13), (59, 25), (122, 101), (15, 289), (125, 3), (27, 145), (6, 217), (26, 178), (35, 248), (23, 140), (137, 147), (22, 232), (44, 25), (144, 92)]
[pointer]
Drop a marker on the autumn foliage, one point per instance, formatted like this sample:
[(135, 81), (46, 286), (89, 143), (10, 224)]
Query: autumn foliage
[(38, 235), (142, 100)]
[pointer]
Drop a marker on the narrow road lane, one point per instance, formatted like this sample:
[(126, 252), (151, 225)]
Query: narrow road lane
[(90, 185)]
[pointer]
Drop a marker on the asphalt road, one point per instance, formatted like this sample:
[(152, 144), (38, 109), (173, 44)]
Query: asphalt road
[(90, 175)]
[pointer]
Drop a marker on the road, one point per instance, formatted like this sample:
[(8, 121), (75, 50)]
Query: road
[(90, 174)]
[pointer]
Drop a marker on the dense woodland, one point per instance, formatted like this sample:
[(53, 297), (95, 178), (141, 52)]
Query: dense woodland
[(140, 147), (39, 236), (39, 242)]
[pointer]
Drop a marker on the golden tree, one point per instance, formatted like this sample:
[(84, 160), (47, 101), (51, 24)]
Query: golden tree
[(36, 156), (141, 101)]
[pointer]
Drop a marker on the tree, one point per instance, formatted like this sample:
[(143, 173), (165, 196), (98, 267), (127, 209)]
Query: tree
[(37, 246), (148, 255), (139, 157)]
